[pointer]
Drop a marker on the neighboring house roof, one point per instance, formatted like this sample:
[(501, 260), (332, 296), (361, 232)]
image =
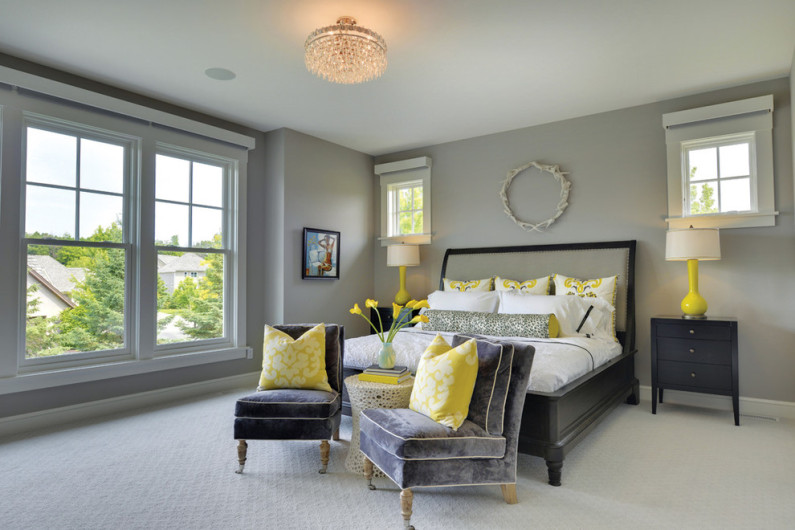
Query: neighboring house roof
[(164, 259), (188, 262), (56, 274), (50, 287)]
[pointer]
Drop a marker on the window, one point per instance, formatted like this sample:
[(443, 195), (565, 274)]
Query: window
[(405, 201), (132, 239), (405, 207), (189, 226), (77, 247), (719, 175), (720, 165)]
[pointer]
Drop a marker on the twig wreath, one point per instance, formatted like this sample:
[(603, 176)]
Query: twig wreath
[(565, 185)]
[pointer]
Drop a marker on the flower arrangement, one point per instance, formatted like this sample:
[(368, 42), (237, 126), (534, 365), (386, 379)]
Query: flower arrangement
[(386, 336)]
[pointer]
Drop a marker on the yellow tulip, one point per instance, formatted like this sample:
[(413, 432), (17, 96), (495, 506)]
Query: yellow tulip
[(421, 304), (355, 310), (396, 310), (370, 303)]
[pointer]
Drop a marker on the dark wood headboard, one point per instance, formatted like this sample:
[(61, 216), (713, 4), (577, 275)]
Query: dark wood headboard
[(579, 260)]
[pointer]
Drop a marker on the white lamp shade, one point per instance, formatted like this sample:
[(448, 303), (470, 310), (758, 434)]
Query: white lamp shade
[(402, 255), (692, 243)]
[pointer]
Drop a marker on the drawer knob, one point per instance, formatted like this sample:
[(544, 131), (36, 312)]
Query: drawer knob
[(693, 375), (692, 350), (692, 332)]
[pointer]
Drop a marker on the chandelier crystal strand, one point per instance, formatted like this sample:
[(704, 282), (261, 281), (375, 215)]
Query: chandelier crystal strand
[(345, 53)]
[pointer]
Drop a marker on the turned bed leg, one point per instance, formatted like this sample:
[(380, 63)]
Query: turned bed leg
[(324, 450), (368, 472), (406, 498), (555, 471), (242, 448), (509, 493)]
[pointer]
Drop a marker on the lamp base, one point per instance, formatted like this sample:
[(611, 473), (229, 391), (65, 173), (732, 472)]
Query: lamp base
[(694, 317)]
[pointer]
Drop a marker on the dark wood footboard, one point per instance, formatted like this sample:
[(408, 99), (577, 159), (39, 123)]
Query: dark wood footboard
[(553, 423)]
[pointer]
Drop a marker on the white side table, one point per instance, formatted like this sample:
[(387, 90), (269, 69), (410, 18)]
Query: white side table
[(368, 395)]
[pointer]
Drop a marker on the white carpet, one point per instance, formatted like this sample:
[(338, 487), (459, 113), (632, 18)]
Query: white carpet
[(172, 467)]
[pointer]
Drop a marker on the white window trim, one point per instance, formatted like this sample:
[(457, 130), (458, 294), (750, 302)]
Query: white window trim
[(754, 115), (400, 172), (16, 376)]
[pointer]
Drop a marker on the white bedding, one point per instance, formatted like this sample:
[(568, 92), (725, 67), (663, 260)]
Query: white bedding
[(557, 362)]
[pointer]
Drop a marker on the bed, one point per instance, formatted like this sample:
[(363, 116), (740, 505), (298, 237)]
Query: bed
[(557, 413)]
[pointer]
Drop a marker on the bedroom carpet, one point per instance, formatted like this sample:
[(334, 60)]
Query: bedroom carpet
[(172, 467)]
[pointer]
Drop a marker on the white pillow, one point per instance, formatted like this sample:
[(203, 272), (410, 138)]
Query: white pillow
[(569, 310), (482, 301)]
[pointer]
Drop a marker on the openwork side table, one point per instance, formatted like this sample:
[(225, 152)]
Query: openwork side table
[(368, 395)]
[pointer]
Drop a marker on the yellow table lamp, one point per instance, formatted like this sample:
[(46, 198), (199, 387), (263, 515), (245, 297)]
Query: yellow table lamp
[(693, 245), (402, 256)]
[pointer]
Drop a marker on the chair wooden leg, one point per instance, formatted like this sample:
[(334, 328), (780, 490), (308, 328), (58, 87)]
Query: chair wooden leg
[(336, 436), (368, 472), (509, 493), (242, 448), (324, 450), (406, 498)]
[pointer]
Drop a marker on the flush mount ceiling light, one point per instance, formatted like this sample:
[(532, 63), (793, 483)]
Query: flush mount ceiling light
[(345, 53)]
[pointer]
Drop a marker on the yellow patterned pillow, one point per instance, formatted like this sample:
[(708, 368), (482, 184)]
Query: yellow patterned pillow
[(467, 285), (537, 286), (604, 288), (444, 382), (294, 363)]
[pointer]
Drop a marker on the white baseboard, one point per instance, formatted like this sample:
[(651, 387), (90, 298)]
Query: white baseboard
[(748, 406), (46, 419)]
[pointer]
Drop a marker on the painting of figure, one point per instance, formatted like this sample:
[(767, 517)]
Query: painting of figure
[(321, 251)]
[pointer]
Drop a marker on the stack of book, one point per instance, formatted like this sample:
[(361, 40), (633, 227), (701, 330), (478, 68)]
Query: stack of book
[(390, 376)]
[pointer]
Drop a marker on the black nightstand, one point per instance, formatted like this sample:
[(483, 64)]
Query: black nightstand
[(696, 356), (386, 316)]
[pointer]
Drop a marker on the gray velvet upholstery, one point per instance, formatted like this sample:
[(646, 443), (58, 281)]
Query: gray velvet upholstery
[(414, 451), (295, 414), (487, 406)]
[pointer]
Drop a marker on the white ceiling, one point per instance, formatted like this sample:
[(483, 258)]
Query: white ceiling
[(457, 68)]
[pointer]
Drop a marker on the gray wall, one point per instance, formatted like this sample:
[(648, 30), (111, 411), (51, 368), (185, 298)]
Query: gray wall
[(617, 165), (318, 184)]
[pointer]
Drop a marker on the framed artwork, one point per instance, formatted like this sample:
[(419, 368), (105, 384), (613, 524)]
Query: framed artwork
[(321, 255)]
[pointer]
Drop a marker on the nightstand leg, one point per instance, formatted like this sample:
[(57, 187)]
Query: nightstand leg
[(661, 395), (654, 400), (736, 407)]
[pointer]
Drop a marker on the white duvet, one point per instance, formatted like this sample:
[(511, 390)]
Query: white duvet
[(557, 362)]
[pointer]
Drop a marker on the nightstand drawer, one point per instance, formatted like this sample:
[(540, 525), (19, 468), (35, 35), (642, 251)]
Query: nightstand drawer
[(696, 375), (694, 351), (693, 331)]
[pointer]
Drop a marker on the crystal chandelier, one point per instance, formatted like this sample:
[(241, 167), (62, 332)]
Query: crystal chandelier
[(345, 53)]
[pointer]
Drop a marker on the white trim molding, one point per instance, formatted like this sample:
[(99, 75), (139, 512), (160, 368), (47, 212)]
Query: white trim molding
[(58, 417), (764, 408), (752, 117)]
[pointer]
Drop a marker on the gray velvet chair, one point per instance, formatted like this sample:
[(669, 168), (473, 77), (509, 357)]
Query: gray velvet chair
[(414, 451), (295, 414)]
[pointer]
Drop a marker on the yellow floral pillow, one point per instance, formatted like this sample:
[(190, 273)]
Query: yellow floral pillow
[(537, 286), (444, 382), (467, 285), (294, 363), (604, 288)]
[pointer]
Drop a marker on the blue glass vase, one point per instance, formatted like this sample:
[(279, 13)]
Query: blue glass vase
[(386, 356)]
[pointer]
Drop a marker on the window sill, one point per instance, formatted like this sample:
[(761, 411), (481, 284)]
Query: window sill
[(735, 220), (412, 239), (85, 374)]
